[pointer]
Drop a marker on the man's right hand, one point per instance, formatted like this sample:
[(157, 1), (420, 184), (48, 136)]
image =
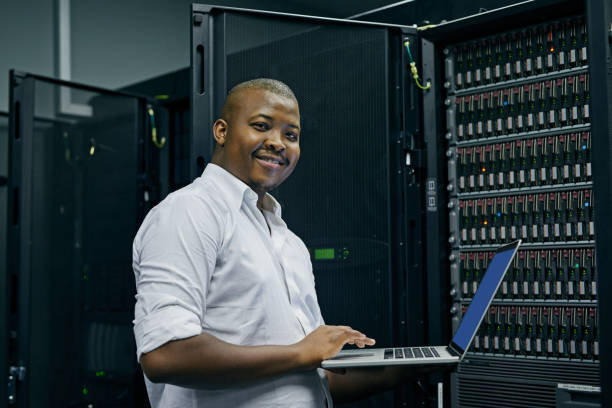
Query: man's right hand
[(327, 341)]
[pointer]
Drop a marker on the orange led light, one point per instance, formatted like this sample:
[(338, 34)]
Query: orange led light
[(484, 169), (485, 222), (552, 49)]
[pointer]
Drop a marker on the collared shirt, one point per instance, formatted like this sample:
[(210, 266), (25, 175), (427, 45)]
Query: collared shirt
[(206, 260)]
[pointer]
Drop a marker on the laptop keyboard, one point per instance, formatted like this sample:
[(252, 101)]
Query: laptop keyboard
[(411, 352)]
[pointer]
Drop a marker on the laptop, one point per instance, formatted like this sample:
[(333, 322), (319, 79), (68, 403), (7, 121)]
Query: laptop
[(455, 351)]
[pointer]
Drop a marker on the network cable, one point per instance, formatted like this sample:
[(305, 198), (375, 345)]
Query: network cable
[(413, 68), (158, 143)]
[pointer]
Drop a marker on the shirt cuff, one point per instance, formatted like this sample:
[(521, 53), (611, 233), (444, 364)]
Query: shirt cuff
[(164, 325)]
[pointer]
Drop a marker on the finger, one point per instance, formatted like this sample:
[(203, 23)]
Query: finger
[(356, 334), (351, 336), (363, 340)]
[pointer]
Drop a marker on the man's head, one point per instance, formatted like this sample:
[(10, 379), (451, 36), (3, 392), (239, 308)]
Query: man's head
[(258, 134)]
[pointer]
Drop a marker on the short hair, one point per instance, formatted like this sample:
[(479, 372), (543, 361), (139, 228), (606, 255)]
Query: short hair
[(264, 84)]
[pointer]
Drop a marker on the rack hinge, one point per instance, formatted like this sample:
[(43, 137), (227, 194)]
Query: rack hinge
[(15, 374)]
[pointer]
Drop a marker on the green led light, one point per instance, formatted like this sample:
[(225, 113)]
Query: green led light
[(577, 265), (85, 391), (324, 253)]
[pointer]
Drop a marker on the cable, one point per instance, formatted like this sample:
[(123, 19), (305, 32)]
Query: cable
[(413, 68), (159, 144), (426, 27)]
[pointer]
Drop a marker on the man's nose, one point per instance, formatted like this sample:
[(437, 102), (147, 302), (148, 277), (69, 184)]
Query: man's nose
[(275, 140)]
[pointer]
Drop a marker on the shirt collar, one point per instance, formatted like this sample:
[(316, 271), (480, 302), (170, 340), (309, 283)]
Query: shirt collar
[(270, 204), (236, 191)]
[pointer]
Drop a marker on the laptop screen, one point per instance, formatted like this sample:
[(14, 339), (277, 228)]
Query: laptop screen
[(482, 298)]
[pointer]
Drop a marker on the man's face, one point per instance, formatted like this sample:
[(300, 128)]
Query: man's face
[(260, 140)]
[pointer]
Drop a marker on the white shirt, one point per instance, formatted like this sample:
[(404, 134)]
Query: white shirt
[(205, 261)]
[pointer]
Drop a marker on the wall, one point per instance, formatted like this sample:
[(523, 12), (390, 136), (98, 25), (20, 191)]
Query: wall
[(26, 40)]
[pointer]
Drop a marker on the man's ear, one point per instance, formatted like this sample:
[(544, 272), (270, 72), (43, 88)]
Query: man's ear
[(220, 129)]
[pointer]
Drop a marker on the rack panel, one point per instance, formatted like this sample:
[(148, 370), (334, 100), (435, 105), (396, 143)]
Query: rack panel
[(518, 126)]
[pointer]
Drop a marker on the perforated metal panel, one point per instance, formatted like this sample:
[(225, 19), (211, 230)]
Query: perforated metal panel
[(498, 382), (344, 149)]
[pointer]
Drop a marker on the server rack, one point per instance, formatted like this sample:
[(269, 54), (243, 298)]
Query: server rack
[(347, 196), (520, 159), (80, 183), (507, 172)]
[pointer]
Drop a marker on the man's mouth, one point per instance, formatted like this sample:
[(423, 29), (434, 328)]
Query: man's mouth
[(272, 160)]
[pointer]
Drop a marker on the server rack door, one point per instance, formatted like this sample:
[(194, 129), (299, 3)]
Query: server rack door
[(342, 199), (515, 126), (77, 194)]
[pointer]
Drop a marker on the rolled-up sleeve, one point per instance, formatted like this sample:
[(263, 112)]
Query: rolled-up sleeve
[(174, 256)]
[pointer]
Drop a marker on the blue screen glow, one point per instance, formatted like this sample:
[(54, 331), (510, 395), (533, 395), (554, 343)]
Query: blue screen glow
[(485, 292)]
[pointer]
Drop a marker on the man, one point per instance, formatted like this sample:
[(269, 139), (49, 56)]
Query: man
[(226, 312)]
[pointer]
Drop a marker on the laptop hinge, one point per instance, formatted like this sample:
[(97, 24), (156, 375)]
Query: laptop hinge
[(452, 351)]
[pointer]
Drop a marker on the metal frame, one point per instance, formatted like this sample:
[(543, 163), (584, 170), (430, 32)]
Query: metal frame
[(205, 8), (435, 190), (85, 87), (413, 204), (599, 24), (411, 236), (19, 228), (4, 292)]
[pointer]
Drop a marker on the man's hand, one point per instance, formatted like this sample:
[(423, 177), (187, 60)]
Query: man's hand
[(327, 341)]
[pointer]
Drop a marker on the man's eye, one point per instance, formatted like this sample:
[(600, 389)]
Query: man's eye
[(261, 126), (292, 136)]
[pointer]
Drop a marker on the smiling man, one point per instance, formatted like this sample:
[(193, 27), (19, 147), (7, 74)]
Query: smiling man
[(226, 310), (258, 135)]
